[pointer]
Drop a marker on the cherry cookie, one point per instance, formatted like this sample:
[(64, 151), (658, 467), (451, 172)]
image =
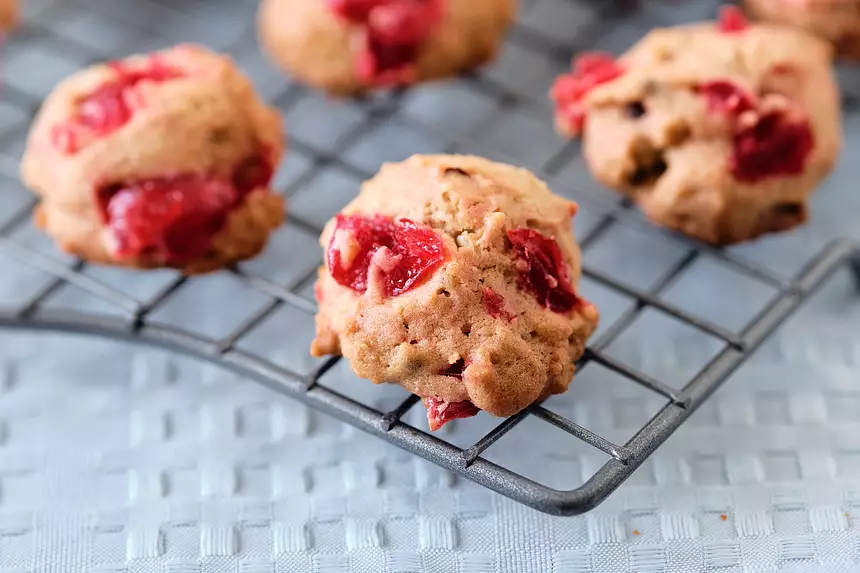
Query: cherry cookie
[(8, 14), (837, 21), (456, 278), (348, 47), (157, 160), (718, 130)]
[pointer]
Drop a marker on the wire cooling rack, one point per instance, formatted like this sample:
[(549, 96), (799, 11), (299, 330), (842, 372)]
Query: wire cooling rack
[(501, 113)]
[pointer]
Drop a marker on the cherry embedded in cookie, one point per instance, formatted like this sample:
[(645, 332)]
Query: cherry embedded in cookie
[(764, 144), (732, 20), (440, 412), (589, 70), (726, 97), (174, 218), (111, 105), (410, 253), (355, 11), (542, 269), (774, 146), (394, 33), (495, 305)]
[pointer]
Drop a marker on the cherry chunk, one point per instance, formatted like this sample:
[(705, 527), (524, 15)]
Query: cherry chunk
[(111, 105), (542, 269), (406, 253), (440, 412), (589, 71), (394, 32), (732, 20), (174, 218)]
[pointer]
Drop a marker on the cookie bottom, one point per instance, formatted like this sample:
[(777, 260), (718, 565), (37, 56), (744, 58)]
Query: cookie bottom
[(243, 237), (736, 224)]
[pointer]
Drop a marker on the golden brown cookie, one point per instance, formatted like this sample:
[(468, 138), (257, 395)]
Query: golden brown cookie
[(348, 47), (8, 14), (157, 160), (837, 21), (456, 278), (718, 130)]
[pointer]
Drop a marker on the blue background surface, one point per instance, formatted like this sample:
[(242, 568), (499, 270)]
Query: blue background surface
[(119, 459)]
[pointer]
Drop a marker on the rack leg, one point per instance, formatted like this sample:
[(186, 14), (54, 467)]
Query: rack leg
[(854, 265)]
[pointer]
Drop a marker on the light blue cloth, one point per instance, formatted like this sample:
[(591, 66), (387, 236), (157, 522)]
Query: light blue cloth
[(115, 458)]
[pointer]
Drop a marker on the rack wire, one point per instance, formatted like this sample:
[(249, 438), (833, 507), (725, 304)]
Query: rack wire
[(137, 319)]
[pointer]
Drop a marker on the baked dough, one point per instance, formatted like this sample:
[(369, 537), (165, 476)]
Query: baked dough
[(157, 160), (348, 47), (720, 130), (456, 278)]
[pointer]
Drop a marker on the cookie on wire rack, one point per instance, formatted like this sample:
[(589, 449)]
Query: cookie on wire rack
[(158, 160), (720, 130), (456, 278), (350, 47)]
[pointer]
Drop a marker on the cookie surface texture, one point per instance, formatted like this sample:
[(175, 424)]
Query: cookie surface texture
[(837, 21), (158, 160), (456, 278), (349, 47), (720, 130)]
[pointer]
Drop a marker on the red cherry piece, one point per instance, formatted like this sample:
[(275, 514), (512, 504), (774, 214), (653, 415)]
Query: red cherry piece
[(589, 70), (173, 218), (773, 146), (412, 252), (398, 24), (440, 412), (394, 32), (732, 20), (355, 11), (394, 35), (495, 305), (726, 97), (542, 269), (111, 105)]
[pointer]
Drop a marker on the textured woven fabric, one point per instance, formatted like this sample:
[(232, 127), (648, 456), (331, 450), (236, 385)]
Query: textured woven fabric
[(120, 459)]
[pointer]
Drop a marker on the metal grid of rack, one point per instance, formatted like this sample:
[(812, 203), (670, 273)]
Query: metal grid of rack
[(338, 145)]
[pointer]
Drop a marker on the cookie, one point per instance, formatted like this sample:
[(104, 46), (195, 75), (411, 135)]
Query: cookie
[(349, 47), (837, 21), (8, 14), (159, 160), (720, 130), (456, 278)]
